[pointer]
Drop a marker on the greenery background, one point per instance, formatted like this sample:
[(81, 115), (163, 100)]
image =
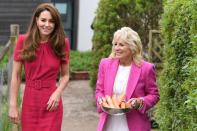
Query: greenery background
[(177, 109), (80, 61)]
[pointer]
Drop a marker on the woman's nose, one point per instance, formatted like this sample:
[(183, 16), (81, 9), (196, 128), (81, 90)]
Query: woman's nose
[(46, 23), (116, 47)]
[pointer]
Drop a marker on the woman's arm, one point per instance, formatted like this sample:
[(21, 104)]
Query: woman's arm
[(99, 92), (151, 89), (14, 88), (55, 97), (64, 77)]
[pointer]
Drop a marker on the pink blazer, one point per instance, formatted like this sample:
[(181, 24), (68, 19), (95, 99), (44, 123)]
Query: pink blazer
[(141, 83)]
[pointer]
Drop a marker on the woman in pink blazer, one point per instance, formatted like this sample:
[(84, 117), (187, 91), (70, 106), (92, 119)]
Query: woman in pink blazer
[(126, 71)]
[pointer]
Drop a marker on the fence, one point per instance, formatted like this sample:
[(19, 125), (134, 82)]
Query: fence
[(5, 75), (155, 45)]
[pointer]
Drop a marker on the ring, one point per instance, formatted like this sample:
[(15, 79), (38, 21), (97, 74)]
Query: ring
[(56, 104)]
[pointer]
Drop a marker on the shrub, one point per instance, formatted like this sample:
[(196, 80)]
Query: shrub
[(178, 87), (5, 124)]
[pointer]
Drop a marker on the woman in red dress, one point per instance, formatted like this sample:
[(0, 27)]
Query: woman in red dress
[(44, 52)]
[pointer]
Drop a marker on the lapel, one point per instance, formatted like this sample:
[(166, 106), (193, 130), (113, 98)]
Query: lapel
[(112, 70), (132, 81)]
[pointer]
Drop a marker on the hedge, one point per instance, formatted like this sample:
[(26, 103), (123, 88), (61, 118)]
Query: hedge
[(177, 110)]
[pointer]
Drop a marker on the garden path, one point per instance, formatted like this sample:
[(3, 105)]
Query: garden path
[(79, 107)]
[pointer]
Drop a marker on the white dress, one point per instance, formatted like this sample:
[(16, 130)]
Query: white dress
[(119, 123)]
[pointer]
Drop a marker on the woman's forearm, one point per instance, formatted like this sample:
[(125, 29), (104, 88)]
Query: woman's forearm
[(63, 83), (15, 83), (14, 89)]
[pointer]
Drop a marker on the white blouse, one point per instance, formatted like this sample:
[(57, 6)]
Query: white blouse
[(119, 123)]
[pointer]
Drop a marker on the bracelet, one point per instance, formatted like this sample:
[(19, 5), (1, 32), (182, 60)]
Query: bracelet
[(141, 103), (100, 100)]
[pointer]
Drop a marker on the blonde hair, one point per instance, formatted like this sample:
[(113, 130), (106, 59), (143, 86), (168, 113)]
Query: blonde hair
[(132, 38)]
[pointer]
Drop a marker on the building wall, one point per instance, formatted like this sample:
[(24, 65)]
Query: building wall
[(15, 12), (20, 11), (87, 9)]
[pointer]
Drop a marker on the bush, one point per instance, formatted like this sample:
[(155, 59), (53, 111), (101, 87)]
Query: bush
[(141, 15), (5, 124), (4, 61), (178, 87), (80, 61)]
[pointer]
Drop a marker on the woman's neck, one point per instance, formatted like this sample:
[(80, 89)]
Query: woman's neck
[(44, 39), (125, 62)]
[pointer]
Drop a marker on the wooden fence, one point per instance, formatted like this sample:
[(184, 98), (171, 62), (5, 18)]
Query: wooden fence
[(155, 48), (8, 50)]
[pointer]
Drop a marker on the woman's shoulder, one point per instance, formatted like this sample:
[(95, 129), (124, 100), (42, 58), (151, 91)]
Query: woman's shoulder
[(20, 40), (108, 60), (146, 64), (66, 40), (22, 36)]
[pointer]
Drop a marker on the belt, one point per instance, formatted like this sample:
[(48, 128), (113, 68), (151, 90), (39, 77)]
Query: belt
[(38, 84)]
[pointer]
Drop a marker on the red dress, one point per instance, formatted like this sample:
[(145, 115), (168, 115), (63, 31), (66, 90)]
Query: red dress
[(41, 75)]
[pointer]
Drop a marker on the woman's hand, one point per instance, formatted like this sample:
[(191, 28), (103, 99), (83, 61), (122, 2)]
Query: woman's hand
[(14, 115), (136, 103), (53, 102)]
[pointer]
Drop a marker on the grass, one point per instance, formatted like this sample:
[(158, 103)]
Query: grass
[(5, 125), (4, 61)]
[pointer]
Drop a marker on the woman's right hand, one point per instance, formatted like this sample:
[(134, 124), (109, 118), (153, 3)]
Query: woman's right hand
[(14, 115)]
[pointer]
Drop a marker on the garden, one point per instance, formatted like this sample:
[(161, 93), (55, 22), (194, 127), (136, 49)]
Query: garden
[(176, 22)]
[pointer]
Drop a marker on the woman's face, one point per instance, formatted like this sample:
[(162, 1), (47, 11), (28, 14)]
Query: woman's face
[(122, 50), (45, 24)]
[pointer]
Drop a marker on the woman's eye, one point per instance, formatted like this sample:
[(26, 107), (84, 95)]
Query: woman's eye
[(121, 44), (52, 21), (43, 20)]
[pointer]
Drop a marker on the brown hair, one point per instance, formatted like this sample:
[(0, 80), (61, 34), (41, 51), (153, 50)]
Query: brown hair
[(56, 39)]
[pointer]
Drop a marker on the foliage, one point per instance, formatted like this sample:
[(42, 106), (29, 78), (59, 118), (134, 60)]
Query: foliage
[(4, 61), (178, 87), (5, 125), (80, 61), (141, 15)]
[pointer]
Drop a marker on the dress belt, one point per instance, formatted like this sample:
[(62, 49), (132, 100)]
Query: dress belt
[(38, 84)]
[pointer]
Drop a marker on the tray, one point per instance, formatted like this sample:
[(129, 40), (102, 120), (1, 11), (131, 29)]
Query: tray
[(115, 111)]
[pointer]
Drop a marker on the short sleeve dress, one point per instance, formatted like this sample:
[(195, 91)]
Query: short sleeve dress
[(41, 75)]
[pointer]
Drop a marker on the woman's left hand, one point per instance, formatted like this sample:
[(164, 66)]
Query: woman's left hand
[(136, 103), (54, 99)]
